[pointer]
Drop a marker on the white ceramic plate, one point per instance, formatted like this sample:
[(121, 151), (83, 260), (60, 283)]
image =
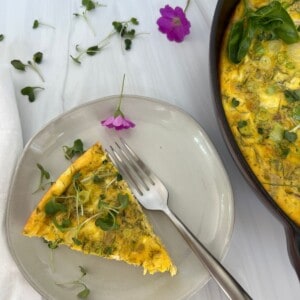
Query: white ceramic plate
[(178, 151)]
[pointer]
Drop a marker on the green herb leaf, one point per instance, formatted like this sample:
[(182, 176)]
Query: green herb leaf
[(64, 226), (242, 124), (38, 57), (93, 50), (76, 149), (296, 112), (89, 4), (292, 95), (52, 207), (107, 223), (281, 23), (1, 37), (77, 241), (235, 102), (117, 26), (134, 21), (30, 92), (84, 293), (17, 64), (119, 177), (53, 244), (235, 37), (290, 136), (123, 201), (35, 24), (128, 43)]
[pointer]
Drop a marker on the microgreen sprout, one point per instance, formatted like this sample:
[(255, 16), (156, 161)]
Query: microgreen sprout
[(30, 92), (44, 174), (121, 28), (88, 6), (84, 293), (76, 149), (125, 32), (109, 222), (91, 51), (36, 59), (37, 23), (1, 37), (77, 187)]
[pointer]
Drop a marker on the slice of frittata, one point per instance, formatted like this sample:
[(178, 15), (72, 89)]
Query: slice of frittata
[(90, 208)]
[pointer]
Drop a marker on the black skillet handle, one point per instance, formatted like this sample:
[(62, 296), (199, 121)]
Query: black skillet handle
[(293, 242)]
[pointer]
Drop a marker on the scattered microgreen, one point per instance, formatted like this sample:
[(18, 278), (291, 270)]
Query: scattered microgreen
[(108, 222), (1, 37), (127, 34), (76, 149), (91, 51), (44, 174), (53, 244), (84, 293), (30, 92), (121, 28), (37, 23), (63, 226), (17, 64), (36, 59), (88, 6), (269, 21), (77, 187)]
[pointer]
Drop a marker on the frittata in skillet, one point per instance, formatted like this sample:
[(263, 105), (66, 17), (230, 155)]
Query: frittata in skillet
[(260, 86), (90, 208)]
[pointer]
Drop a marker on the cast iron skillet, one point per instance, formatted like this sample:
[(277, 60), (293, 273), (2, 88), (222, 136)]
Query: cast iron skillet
[(221, 17)]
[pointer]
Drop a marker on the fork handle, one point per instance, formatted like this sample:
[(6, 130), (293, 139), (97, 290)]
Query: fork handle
[(228, 284)]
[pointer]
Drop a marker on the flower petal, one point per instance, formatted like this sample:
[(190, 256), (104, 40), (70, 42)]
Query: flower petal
[(173, 23), (128, 123), (108, 122), (118, 121)]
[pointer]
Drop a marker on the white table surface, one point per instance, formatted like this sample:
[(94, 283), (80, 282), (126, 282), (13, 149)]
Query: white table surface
[(155, 67)]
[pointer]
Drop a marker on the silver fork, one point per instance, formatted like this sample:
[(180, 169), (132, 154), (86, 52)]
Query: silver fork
[(153, 195)]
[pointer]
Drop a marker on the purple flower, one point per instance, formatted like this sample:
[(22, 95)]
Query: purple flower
[(174, 23), (118, 120), (118, 123)]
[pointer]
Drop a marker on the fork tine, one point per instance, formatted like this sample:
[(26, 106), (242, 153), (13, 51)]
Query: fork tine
[(132, 171), (138, 162), (123, 168)]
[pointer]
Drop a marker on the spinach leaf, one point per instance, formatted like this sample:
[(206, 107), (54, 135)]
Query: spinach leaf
[(235, 37), (271, 20)]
